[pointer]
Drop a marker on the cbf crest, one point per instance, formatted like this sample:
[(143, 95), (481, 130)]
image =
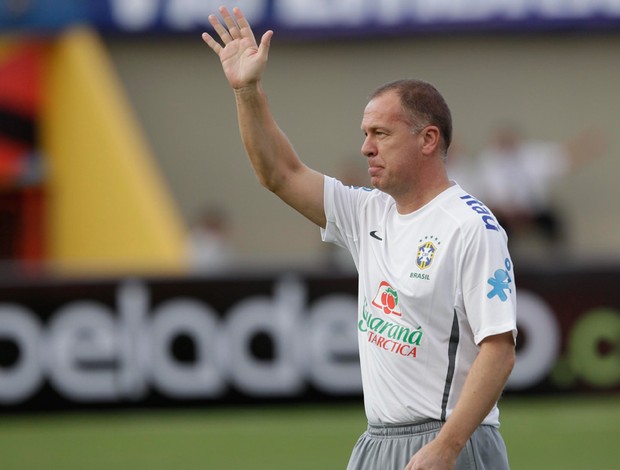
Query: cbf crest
[(426, 252)]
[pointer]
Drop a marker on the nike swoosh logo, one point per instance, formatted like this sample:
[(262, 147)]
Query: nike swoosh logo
[(374, 235)]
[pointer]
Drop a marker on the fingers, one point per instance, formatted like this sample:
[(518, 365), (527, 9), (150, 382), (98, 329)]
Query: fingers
[(244, 26), (233, 30), (220, 30), (212, 43)]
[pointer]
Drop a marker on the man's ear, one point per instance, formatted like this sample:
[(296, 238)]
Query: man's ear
[(432, 139)]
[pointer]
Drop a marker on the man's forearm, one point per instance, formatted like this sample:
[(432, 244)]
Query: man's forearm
[(483, 387), (268, 148)]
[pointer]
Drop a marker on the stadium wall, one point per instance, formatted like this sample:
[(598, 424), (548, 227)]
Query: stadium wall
[(555, 84)]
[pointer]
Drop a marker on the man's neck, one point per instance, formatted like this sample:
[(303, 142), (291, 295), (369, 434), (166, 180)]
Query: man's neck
[(419, 197)]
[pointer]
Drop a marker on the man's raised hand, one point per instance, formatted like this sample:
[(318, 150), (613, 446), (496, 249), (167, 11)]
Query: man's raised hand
[(243, 61)]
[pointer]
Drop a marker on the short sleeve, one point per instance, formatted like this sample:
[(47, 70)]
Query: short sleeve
[(488, 283), (343, 206)]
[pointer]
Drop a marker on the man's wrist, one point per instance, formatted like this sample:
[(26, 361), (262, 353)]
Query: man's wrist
[(450, 441), (250, 89)]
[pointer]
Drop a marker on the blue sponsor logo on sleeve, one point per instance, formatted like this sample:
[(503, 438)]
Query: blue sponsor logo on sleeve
[(478, 207), (500, 282)]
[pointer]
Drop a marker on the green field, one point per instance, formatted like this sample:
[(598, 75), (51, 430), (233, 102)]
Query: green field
[(549, 434)]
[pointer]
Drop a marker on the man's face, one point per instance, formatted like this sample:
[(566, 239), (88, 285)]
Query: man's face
[(392, 149)]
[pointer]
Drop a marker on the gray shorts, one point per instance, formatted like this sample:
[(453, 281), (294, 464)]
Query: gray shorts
[(391, 447)]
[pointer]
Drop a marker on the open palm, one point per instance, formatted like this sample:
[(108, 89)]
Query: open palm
[(243, 60)]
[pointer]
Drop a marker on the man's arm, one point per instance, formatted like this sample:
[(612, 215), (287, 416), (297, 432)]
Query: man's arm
[(584, 147), (275, 162), (483, 387)]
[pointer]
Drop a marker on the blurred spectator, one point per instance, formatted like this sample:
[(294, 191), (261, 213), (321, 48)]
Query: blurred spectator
[(462, 168), (209, 245), (518, 177)]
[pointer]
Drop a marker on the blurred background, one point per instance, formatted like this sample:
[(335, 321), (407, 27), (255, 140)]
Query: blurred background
[(144, 272)]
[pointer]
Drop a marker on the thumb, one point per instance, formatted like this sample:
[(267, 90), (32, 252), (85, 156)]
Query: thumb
[(265, 43)]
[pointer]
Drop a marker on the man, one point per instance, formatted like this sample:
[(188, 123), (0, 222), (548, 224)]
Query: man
[(518, 176), (436, 292)]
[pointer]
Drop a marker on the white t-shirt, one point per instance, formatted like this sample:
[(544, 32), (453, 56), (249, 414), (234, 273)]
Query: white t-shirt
[(432, 285), (524, 178)]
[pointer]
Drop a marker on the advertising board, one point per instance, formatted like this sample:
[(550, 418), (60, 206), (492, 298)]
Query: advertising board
[(288, 336)]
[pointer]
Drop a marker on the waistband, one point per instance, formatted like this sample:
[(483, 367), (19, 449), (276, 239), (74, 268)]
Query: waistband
[(404, 429)]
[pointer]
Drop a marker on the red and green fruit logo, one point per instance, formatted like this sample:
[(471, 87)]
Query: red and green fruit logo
[(386, 299)]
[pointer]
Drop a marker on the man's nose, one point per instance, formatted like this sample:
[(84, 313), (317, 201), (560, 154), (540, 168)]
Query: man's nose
[(368, 148)]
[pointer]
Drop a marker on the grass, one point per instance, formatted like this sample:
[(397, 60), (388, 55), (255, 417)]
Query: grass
[(565, 433), (233, 438), (562, 433)]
